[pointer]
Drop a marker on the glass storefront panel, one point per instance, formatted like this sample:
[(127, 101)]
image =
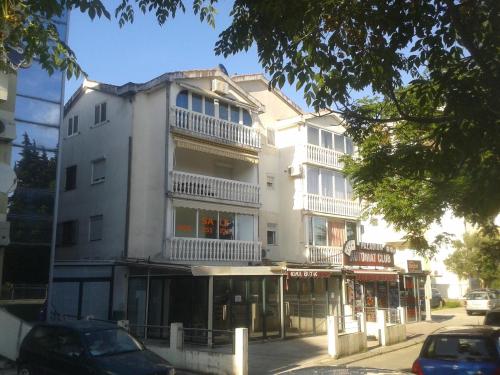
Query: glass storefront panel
[(272, 307), (136, 305), (320, 305)]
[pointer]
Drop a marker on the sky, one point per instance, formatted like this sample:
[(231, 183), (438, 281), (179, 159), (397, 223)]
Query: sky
[(144, 50)]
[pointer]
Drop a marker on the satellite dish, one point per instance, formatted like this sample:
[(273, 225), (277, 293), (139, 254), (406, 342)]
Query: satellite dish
[(223, 68), (8, 180)]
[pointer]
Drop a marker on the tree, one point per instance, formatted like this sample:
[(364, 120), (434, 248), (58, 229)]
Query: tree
[(429, 137), (477, 256)]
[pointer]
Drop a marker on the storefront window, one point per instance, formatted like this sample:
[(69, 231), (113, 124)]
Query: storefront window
[(207, 224), (226, 226), (185, 222)]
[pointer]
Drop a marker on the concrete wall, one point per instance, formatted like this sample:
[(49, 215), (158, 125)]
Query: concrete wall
[(394, 333), (341, 345), (13, 332)]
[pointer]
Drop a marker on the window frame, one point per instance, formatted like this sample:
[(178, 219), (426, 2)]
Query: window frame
[(92, 218), (73, 186), (73, 126), (94, 181), (63, 236), (98, 118), (272, 228)]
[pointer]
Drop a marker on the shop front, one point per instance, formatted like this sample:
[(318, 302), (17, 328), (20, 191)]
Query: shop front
[(412, 290)]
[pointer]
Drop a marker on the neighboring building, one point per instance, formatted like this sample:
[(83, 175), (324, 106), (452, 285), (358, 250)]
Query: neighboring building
[(28, 144)]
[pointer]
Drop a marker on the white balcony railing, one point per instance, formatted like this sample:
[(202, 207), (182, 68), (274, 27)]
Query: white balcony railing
[(203, 249), (212, 187), (333, 206), (325, 254), (323, 156), (211, 127)]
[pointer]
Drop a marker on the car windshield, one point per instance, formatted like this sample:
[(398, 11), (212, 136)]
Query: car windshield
[(111, 341), (478, 296), (461, 348)]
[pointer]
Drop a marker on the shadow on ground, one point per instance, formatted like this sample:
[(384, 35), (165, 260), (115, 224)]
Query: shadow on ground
[(341, 370)]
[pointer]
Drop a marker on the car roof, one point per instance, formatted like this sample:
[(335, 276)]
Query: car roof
[(467, 331), (81, 325)]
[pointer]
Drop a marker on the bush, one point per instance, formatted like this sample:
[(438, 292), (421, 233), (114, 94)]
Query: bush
[(452, 304)]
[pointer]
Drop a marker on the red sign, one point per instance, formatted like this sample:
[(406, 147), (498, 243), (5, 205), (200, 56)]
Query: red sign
[(371, 258), (308, 274)]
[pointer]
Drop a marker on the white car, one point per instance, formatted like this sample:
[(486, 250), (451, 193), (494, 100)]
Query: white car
[(481, 301)]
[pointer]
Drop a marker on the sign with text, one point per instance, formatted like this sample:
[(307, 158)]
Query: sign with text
[(414, 266), (369, 254), (308, 274)]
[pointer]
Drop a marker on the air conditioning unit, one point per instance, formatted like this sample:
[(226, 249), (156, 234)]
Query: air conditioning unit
[(295, 170), (220, 87), (4, 233)]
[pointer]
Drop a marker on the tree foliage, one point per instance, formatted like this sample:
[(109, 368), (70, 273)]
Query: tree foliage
[(477, 256), (429, 139)]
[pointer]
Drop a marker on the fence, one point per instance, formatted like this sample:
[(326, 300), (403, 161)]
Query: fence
[(346, 343), (23, 291), (349, 323)]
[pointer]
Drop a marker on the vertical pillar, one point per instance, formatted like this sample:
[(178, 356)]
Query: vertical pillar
[(362, 321), (333, 335), (210, 319), (402, 314), (381, 326), (241, 351), (176, 336), (428, 296), (147, 306), (2, 251), (282, 307)]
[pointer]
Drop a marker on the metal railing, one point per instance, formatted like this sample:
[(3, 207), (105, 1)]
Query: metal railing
[(208, 338), (392, 315), (23, 291), (151, 331), (330, 205), (210, 127), (213, 187), (349, 323), (325, 254), (204, 249)]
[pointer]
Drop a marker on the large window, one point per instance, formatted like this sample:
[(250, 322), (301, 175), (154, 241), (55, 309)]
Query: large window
[(182, 99), (328, 232), (67, 233), (328, 183), (197, 103), (100, 113), (72, 126), (330, 140), (223, 111), (70, 183), (209, 107), (193, 223), (313, 180), (313, 136)]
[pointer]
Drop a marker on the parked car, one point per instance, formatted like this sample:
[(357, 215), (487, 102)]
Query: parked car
[(492, 318), (436, 300), (86, 347), (467, 350), (481, 302)]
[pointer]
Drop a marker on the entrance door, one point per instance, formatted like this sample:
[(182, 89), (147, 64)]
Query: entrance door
[(320, 306), (411, 299)]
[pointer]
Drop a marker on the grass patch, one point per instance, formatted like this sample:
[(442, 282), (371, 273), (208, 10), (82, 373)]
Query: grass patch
[(452, 303)]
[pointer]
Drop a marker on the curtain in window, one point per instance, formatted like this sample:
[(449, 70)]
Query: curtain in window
[(336, 233)]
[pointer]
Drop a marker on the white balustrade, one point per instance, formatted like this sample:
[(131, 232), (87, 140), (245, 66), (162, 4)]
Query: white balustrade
[(330, 205), (213, 187), (203, 249), (324, 156), (325, 254), (208, 126)]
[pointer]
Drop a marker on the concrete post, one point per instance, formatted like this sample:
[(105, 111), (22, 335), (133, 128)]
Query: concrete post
[(348, 310), (362, 321), (210, 318), (241, 351), (333, 335), (428, 296), (402, 314), (176, 336), (381, 327)]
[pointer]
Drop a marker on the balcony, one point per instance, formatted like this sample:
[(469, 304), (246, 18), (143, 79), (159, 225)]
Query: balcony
[(332, 206), (213, 188), (203, 249), (325, 255), (323, 156), (203, 126)]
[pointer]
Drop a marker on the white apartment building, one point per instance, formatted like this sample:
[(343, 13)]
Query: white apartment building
[(209, 200)]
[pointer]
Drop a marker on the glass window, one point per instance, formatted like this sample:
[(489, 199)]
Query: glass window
[(223, 111), (96, 228), (207, 225), (37, 111), (197, 103), (350, 231), (70, 178), (209, 107), (349, 190), (247, 118), (98, 170), (310, 230), (36, 82), (110, 342), (271, 137), (270, 181), (272, 234), (313, 136), (326, 183), (319, 230), (244, 229), (226, 226), (182, 99), (235, 114), (339, 186), (100, 113), (185, 222), (349, 146), (43, 136), (326, 139), (67, 232), (339, 143), (336, 233), (72, 126), (312, 180)]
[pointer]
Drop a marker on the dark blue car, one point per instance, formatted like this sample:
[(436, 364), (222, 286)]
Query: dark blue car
[(467, 350)]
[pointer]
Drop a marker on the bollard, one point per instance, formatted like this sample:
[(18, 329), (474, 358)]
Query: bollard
[(381, 327), (333, 335), (176, 336), (241, 351), (402, 314), (362, 321)]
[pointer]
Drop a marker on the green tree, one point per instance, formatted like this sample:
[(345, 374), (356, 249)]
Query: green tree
[(429, 137), (477, 256)]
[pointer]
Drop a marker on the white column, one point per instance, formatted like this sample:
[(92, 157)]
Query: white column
[(241, 351), (333, 335), (282, 307), (362, 321), (176, 336), (402, 314), (210, 310), (381, 326), (428, 296)]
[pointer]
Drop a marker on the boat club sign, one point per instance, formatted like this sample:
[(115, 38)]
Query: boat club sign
[(368, 254)]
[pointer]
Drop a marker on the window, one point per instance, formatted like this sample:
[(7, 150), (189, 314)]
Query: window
[(196, 103), (327, 232), (349, 190), (339, 186), (326, 139), (185, 222), (67, 233), (312, 180), (339, 142), (319, 231), (95, 228), (244, 227), (247, 118), (271, 137), (223, 111), (336, 232), (100, 113), (235, 114), (313, 136), (209, 107), (182, 99), (70, 183), (326, 183), (350, 228), (272, 234), (349, 146), (270, 181), (207, 224), (73, 126), (69, 344), (226, 226), (98, 170)]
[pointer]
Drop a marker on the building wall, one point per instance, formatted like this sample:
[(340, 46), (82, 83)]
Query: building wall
[(108, 198)]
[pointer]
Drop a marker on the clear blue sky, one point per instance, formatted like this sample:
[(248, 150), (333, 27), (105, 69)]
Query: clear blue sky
[(143, 50)]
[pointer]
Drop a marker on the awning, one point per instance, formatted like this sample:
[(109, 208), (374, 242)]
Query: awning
[(236, 270), (375, 275)]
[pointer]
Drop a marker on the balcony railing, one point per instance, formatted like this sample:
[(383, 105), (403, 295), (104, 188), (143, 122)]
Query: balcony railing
[(323, 156), (205, 126), (203, 249), (213, 187), (325, 254), (333, 206)]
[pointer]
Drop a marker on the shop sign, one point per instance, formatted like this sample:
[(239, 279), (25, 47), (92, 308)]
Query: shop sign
[(414, 266), (308, 274), (371, 258)]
